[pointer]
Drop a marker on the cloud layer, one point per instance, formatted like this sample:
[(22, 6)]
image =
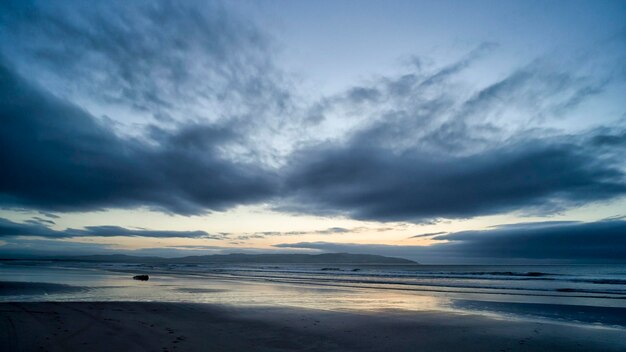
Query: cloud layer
[(161, 58), (601, 241), (56, 156), (225, 127), (367, 181), (34, 229), (542, 242)]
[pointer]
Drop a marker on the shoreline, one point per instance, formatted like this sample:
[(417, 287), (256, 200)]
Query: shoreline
[(157, 326)]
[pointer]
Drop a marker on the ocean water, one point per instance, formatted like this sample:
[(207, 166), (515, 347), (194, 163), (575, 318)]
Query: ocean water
[(594, 294), (579, 281)]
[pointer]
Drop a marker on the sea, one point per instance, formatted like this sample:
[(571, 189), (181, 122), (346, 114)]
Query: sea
[(577, 294)]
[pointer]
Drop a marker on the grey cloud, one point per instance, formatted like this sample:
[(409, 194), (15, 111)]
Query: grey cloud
[(10, 229), (429, 152), (58, 157), (38, 220), (602, 241), (612, 139), (361, 94), (107, 231), (535, 224), (33, 247), (49, 215), (539, 90), (332, 230), (185, 169), (265, 234), (435, 110), (432, 234), (456, 67), (418, 97), (157, 56), (420, 149), (369, 182)]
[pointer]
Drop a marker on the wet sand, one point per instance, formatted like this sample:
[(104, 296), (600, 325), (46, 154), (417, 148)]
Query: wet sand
[(142, 326)]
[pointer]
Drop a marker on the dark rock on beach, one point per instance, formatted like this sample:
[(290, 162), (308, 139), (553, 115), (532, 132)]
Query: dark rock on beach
[(141, 277)]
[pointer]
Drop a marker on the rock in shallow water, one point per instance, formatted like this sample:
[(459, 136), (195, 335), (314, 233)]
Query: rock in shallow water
[(141, 277)]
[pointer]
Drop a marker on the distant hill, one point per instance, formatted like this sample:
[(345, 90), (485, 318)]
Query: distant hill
[(326, 258)]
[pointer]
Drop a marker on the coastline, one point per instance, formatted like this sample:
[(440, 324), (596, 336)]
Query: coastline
[(260, 308), (156, 326)]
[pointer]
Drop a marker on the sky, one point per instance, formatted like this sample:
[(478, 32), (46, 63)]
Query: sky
[(439, 131)]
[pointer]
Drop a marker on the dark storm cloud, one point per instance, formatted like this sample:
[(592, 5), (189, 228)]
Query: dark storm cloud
[(369, 182), (56, 156), (11, 229), (602, 241)]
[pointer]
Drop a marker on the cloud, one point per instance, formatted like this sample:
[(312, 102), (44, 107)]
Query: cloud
[(265, 234), (186, 170), (57, 157), (107, 231), (367, 181), (610, 139), (162, 57), (40, 221), (229, 129), (423, 146), (34, 247), (435, 109), (49, 215), (428, 234), (601, 241), (36, 229), (541, 242)]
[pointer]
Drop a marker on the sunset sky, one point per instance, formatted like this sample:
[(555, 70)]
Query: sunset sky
[(439, 131)]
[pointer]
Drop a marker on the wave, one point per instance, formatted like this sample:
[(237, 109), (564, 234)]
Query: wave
[(392, 274), (549, 280), (454, 286), (601, 281), (484, 280), (446, 288)]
